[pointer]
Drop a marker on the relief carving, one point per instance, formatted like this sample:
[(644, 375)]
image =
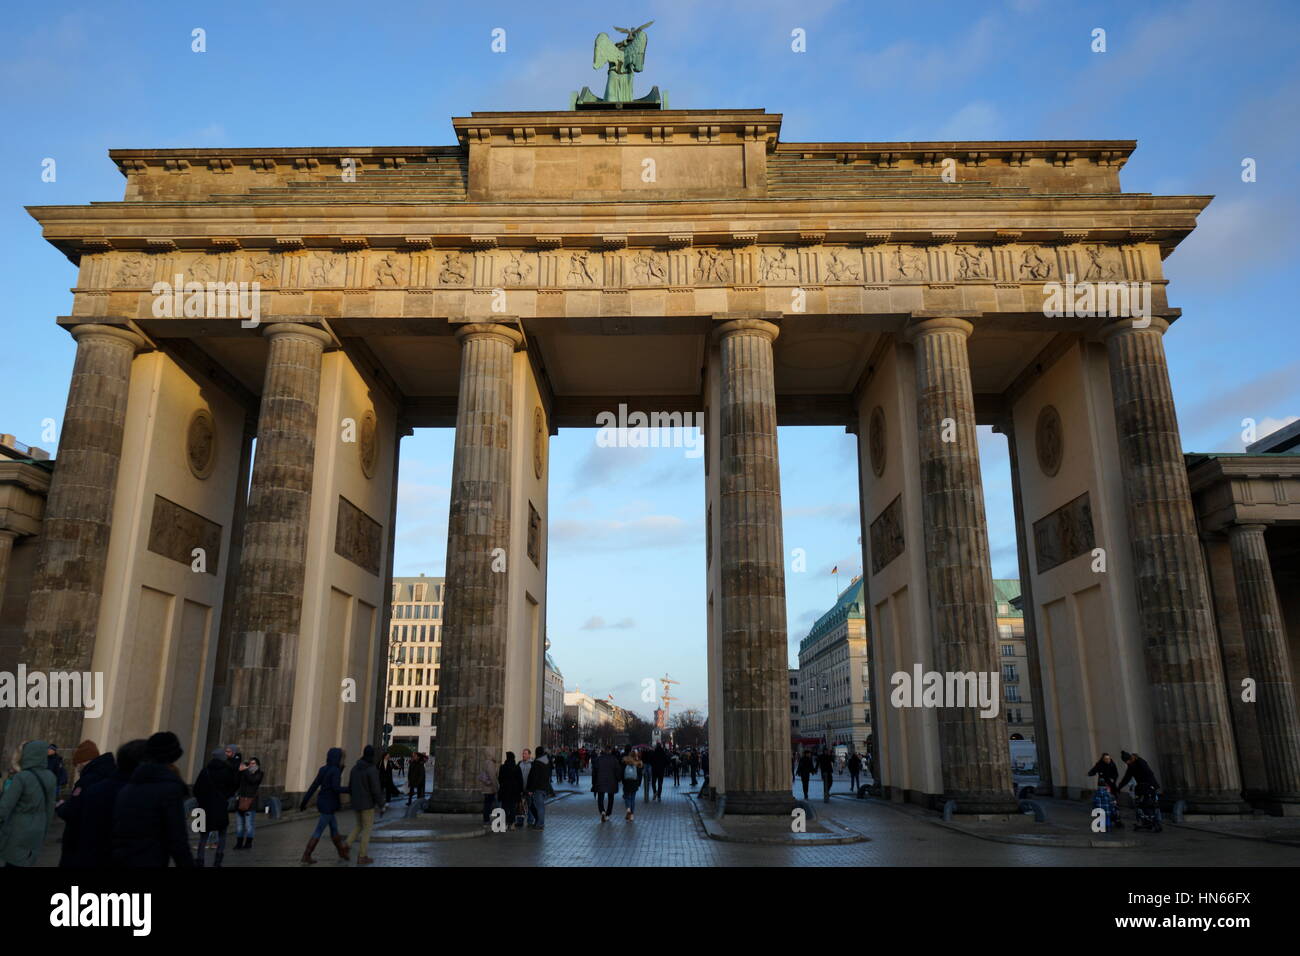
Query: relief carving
[(774, 266), (326, 269), (358, 537), (974, 263), (1034, 266), (266, 267), (454, 270), (390, 271), (134, 269), (711, 266), (887, 535), (908, 265), (648, 268), (1064, 534), (201, 443), (174, 532), (840, 267), (1099, 264), (579, 270), (517, 270)]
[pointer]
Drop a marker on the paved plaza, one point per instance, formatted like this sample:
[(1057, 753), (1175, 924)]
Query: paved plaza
[(668, 833)]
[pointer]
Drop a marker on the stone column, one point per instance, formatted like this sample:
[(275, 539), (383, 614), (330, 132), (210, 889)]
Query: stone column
[(755, 689), (963, 619), (1270, 664), (68, 581), (1197, 759), (6, 549), (471, 692), (273, 555)]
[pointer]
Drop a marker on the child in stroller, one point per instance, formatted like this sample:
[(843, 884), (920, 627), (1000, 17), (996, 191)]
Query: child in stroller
[(1147, 803)]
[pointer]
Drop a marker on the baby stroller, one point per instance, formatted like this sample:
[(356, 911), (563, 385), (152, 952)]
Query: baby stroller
[(1147, 803)]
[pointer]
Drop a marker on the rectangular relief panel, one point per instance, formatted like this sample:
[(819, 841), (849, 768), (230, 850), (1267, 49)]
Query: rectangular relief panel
[(174, 532), (1064, 534), (358, 537), (887, 535)]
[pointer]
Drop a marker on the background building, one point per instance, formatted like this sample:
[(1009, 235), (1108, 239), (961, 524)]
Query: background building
[(1017, 697), (552, 699), (834, 677), (414, 653)]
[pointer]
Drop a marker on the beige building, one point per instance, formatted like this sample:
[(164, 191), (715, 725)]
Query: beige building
[(414, 657), (553, 709), (1013, 657), (529, 277), (835, 675)]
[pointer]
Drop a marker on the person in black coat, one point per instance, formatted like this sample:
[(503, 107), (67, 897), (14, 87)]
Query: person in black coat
[(329, 781), (606, 776), (149, 813), (97, 804), (658, 765), (215, 785), (510, 788), (538, 787), (1140, 772), (415, 779), (75, 838), (386, 779), (250, 781), (805, 770), (1106, 772)]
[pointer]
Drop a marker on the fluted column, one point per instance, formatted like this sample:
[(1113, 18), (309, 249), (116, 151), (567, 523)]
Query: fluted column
[(6, 550), (963, 621), (755, 688), (1265, 637), (273, 558), (471, 695), (1197, 757), (68, 582)]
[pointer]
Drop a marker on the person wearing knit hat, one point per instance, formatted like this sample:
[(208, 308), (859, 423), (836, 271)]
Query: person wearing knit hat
[(91, 768), (163, 747), (86, 752)]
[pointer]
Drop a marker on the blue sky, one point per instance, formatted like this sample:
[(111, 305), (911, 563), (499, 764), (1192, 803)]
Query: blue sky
[(1200, 85)]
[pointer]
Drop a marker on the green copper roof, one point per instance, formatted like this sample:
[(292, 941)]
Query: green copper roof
[(848, 605), (1004, 589)]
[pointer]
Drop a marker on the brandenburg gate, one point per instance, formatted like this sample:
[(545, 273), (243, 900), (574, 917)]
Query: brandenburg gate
[(218, 536)]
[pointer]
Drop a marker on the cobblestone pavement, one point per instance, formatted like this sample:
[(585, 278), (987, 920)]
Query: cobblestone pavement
[(667, 834)]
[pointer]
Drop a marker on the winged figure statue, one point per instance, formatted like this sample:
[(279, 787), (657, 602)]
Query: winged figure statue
[(621, 60)]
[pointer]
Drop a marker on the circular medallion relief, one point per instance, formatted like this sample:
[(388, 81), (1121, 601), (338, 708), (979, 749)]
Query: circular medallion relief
[(539, 442), (368, 443), (201, 443), (876, 440), (1048, 440)]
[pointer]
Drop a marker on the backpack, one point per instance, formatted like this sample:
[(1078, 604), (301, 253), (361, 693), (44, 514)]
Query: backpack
[(629, 771)]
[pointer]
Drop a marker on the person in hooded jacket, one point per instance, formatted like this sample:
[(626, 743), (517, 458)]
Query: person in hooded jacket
[(606, 776), (215, 785), (250, 781), (367, 793), (633, 770), (98, 802), (510, 787), (329, 781), (27, 806), (92, 767), (149, 813)]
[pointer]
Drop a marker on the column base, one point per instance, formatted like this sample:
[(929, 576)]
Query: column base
[(756, 802), (980, 802), (455, 801), (1208, 802)]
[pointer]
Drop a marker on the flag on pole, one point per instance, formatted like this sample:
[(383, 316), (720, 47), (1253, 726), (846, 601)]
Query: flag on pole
[(835, 570)]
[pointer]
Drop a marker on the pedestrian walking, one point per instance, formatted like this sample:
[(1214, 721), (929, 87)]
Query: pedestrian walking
[(415, 779), (90, 767), (98, 804), (149, 826), (695, 767), (658, 767), (27, 806), (1146, 792), (215, 785), (250, 781), (805, 770), (855, 771), (826, 764), (606, 776), (538, 786), (385, 767), (329, 781), (510, 790), (633, 771), (367, 793)]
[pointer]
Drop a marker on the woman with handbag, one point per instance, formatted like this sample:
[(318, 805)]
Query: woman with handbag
[(250, 780)]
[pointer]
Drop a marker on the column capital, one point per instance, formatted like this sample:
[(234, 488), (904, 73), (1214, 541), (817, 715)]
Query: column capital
[(295, 328), (918, 326), (1128, 324), (727, 327), (1247, 527), (88, 329), (491, 330)]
